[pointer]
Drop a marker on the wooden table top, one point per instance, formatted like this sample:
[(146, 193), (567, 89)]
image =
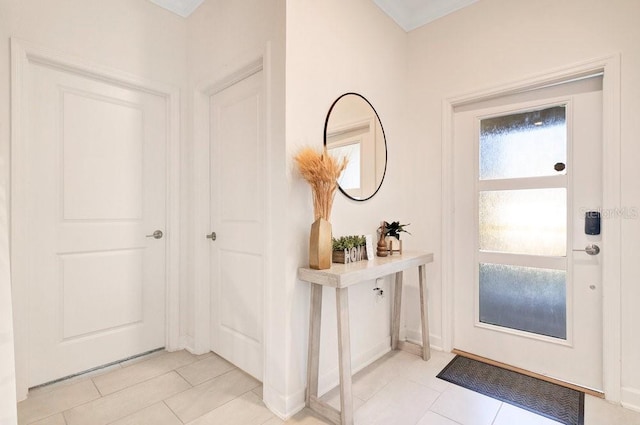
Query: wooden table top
[(345, 275)]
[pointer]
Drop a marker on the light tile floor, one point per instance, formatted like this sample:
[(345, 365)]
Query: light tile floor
[(181, 388)]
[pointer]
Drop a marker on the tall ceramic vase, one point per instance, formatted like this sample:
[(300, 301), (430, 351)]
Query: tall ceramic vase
[(320, 245)]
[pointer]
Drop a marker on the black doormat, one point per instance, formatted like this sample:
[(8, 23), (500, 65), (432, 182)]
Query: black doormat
[(543, 398)]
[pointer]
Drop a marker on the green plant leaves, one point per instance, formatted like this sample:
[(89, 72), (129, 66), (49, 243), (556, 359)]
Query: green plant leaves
[(394, 228), (348, 242)]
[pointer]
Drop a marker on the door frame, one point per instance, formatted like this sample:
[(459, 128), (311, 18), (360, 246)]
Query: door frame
[(611, 198), (24, 53)]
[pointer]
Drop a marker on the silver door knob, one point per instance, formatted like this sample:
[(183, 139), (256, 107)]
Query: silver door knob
[(156, 235), (212, 236), (590, 249)]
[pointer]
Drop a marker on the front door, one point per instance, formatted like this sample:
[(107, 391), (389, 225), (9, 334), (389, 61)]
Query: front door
[(95, 187), (237, 255), (528, 287)]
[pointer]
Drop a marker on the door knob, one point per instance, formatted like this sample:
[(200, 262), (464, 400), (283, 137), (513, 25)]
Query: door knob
[(590, 249), (156, 235), (212, 236)]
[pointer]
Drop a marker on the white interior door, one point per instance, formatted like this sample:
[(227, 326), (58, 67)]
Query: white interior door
[(237, 257), (96, 186), (527, 170)]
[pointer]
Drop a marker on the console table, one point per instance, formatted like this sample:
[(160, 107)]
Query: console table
[(340, 277)]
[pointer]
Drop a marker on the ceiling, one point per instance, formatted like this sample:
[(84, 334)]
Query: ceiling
[(183, 8), (409, 14)]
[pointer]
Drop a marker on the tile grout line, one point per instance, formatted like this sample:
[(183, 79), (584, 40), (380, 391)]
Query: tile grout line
[(175, 369), (444, 417), (116, 392), (214, 377), (171, 410), (48, 417), (196, 361), (96, 387), (202, 383), (497, 413), (434, 402), (218, 407), (143, 381), (73, 407)]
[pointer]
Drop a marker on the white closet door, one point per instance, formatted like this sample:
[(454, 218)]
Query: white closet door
[(95, 170)]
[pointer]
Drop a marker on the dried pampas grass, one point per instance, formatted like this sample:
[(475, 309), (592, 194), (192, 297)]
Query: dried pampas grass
[(321, 170)]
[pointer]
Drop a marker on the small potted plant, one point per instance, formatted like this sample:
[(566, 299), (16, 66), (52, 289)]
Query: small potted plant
[(394, 229), (390, 232), (347, 249)]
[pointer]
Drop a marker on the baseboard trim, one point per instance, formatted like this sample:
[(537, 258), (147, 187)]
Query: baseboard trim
[(415, 336), (282, 406), (631, 398)]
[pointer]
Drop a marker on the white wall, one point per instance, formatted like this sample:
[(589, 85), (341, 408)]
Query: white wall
[(333, 47), (134, 36), (494, 42)]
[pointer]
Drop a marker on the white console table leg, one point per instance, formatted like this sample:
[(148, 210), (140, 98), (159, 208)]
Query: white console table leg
[(424, 314), (313, 359), (396, 311), (344, 357)]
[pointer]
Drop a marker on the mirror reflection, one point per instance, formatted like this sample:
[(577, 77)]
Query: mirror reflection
[(353, 129)]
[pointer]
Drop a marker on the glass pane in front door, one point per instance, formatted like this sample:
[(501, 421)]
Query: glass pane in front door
[(524, 298), (522, 222), (531, 221), (526, 144)]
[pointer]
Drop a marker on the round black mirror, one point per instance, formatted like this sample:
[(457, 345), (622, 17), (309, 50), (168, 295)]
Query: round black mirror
[(353, 129)]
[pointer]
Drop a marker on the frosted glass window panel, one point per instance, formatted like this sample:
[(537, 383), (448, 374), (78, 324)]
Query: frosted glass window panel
[(350, 177), (520, 145), (528, 221), (524, 298)]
